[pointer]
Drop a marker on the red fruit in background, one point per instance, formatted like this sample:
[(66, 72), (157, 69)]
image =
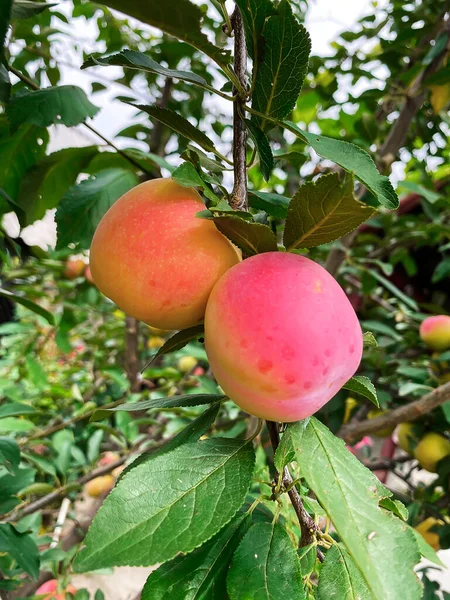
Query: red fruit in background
[(281, 336), (51, 589), (435, 332), (74, 268), (88, 275), (108, 458)]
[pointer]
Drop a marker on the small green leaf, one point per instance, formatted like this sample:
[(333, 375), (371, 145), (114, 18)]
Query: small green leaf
[(265, 566), (21, 547), (280, 75), (178, 18), (412, 304), (362, 385), (425, 549), (323, 211), (24, 9), (9, 454), (354, 160), (16, 409), (65, 104), (29, 305), (36, 373), (170, 504), (202, 574), (84, 205), (263, 147), (188, 176), (171, 402), (46, 183), (340, 578), (308, 557), (178, 341), (15, 425), (369, 340), (350, 494), (178, 124), (251, 238), (396, 507), (442, 271), (273, 204)]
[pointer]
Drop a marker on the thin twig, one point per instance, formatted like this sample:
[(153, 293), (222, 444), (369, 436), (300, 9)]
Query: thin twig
[(308, 526), (239, 199)]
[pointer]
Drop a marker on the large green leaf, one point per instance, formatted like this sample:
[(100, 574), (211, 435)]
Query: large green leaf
[(380, 544), (179, 124), (18, 153), (65, 104), (23, 301), (280, 75), (82, 208), (353, 159), (21, 547), (170, 504), (179, 18), (266, 566), (254, 14), (24, 9), (251, 238), (46, 183), (16, 409), (202, 574), (273, 204), (322, 211), (11, 484), (340, 579), (262, 145)]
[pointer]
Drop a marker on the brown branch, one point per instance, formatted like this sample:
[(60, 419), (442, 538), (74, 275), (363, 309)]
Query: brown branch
[(410, 412), (386, 464), (308, 526), (238, 198)]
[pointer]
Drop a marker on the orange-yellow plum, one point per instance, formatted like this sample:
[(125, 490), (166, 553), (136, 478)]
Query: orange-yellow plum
[(281, 336), (155, 259), (74, 268), (51, 589), (430, 537), (99, 486), (431, 449), (435, 332)]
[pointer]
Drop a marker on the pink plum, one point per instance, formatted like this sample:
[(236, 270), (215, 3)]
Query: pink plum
[(435, 332), (281, 336)]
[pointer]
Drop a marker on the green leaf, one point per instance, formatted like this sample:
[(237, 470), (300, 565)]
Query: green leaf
[(178, 341), (396, 507), (395, 291), (308, 557), (14, 425), (46, 183), (84, 205), (369, 340), (18, 153), (431, 195), (263, 147), (5, 84), (179, 18), (362, 385), (202, 574), (36, 373), (265, 566), (170, 504), (323, 211), (354, 160), (280, 75), (425, 549), (340, 578), (442, 271), (21, 547), (254, 14), (381, 545), (9, 453), (11, 485), (142, 62), (162, 403), (16, 409), (65, 104), (178, 124), (273, 204), (187, 175), (24, 9), (251, 238), (29, 304), (5, 16), (441, 77)]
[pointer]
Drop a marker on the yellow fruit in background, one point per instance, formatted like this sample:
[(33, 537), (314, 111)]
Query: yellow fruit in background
[(187, 363), (386, 431), (440, 97), (430, 537), (117, 471), (406, 437), (99, 486), (431, 449), (155, 342), (350, 405), (119, 314)]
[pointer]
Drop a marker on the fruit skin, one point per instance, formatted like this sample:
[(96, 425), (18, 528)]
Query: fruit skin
[(430, 536), (432, 448), (51, 588), (386, 431), (281, 336), (186, 363), (406, 437), (99, 486), (435, 332), (74, 268), (108, 458), (155, 259)]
